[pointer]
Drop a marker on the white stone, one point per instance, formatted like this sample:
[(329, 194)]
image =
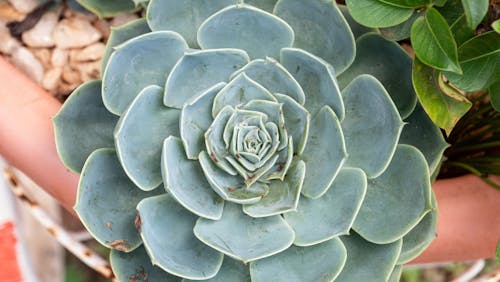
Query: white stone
[(24, 6), (91, 53), (23, 59), (75, 33), (41, 34), (71, 76), (7, 43), (51, 78), (89, 71), (122, 19), (59, 57)]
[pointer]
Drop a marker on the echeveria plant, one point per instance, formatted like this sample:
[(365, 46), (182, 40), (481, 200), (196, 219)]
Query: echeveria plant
[(218, 146)]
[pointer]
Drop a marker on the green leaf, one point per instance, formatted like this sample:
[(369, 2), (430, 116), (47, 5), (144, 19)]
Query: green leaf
[(451, 10), (374, 13), (461, 31), (356, 28), (496, 26), (444, 105), (407, 3), (400, 31), (495, 95), (497, 256), (108, 8), (433, 42), (480, 61), (475, 10)]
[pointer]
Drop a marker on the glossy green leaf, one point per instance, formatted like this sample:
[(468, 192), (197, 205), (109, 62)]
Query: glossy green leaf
[(451, 10), (196, 118), (374, 13), (120, 35), (317, 79), (321, 263), (136, 266), (185, 181), (433, 42), (356, 28), (407, 3), (371, 127), (422, 133), (444, 105), (184, 17), (245, 27), (139, 136), (108, 8), (135, 65), (199, 70), (167, 231), (323, 164), (480, 61), (475, 10), (320, 29), (388, 63), (405, 192), (461, 31), (494, 92), (255, 238), (106, 201), (283, 195), (496, 26), (400, 31), (231, 270), (367, 261), (83, 125), (318, 220), (274, 77), (296, 121)]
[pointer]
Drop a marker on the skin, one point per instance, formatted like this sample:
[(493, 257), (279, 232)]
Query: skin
[(468, 225)]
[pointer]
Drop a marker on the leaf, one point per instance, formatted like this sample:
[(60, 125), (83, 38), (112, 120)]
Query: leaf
[(497, 256), (373, 13), (108, 8), (433, 42), (400, 31), (480, 62), (444, 105), (461, 31), (475, 10), (496, 26), (495, 95), (407, 3)]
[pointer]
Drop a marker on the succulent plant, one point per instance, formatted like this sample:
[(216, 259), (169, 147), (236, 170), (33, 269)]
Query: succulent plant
[(218, 146)]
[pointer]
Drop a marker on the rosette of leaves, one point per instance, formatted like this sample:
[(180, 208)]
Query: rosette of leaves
[(219, 146)]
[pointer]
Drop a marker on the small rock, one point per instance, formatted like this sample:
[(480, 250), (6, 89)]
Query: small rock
[(24, 6), (122, 19), (66, 88), (90, 53), (103, 27), (51, 78), (59, 57), (28, 63), (89, 71), (43, 55), (41, 34), (8, 13), (74, 33), (71, 76), (7, 43)]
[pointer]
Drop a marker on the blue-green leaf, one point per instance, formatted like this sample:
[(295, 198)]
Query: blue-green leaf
[(231, 270), (296, 122)]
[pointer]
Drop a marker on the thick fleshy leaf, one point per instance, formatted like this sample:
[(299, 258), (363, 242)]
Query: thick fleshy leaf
[(83, 125), (136, 266), (229, 187), (422, 133), (325, 153), (433, 42), (396, 274), (121, 34), (443, 103), (421, 236), (321, 263), (320, 29), (239, 91), (108, 8), (254, 238), (372, 127), (274, 113), (356, 28), (106, 201), (400, 31), (266, 5), (405, 192), (245, 27), (167, 231), (374, 13), (296, 122), (367, 261), (274, 77), (184, 17), (480, 61), (475, 10), (231, 270), (196, 71), (185, 181), (318, 220), (283, 196), (139, 136), (196, 117), (387, 62), (317, 79), (139, 62)]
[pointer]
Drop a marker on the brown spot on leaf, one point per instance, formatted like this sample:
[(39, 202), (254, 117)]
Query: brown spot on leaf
[(52, 231), (120, 245), (87, 253), (132, 279), (281, 166), (138, 222), (213, 157), (27, 200), (231, 189), (11, 178), (108, 224)]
